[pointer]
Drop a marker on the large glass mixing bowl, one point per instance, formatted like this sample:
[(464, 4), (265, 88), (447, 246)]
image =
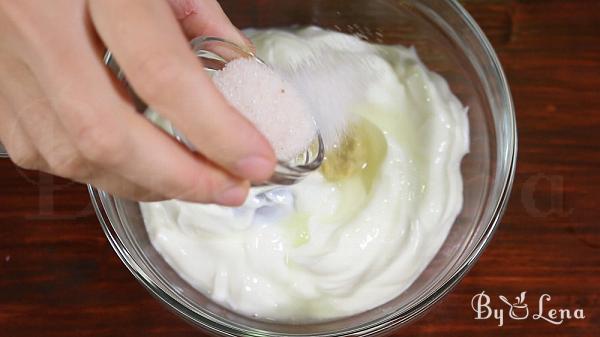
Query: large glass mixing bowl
[(450, 43)]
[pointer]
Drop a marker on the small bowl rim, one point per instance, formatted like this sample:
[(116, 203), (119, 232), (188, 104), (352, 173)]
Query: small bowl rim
[(285, 172)]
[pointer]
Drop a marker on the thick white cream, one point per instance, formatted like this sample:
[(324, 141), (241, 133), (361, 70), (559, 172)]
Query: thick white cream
[(323, 249)]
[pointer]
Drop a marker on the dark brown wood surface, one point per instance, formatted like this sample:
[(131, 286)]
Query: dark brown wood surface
[(59, 277)]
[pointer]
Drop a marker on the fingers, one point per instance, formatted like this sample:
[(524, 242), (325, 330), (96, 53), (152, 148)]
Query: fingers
[(206, 18), (72, 107), (49, 149), (25, 154), (117, 185), (40, 141), (15, 140), (111, 135), (32, 111), (19, 145), (159, 64)]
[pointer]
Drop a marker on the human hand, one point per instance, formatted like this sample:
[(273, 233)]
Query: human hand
[(63, 113)]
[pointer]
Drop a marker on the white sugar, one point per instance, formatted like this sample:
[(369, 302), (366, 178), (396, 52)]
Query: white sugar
[(271, 103), (332, 83), (285, 103)]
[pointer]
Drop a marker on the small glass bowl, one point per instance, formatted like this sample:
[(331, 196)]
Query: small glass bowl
[(215, 53), (450, 43)]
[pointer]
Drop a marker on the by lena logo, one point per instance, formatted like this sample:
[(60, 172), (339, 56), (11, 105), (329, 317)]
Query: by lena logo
[(519, 310)]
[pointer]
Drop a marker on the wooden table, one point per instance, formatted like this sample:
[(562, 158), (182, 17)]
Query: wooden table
[(59, 277)]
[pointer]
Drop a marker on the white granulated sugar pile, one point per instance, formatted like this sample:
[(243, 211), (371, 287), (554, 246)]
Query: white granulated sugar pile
[(272, 104)]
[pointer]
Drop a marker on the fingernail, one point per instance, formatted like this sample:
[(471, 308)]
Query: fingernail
[(232, 196), (255, 168)]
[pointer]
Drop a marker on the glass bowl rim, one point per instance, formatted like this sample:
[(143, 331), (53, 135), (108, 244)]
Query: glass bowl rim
[(392, 320)]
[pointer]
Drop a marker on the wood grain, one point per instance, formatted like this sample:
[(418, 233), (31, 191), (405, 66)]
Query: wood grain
[(59, 277)]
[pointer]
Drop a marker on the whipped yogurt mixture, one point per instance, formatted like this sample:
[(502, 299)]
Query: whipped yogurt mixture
[(351, 236)]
